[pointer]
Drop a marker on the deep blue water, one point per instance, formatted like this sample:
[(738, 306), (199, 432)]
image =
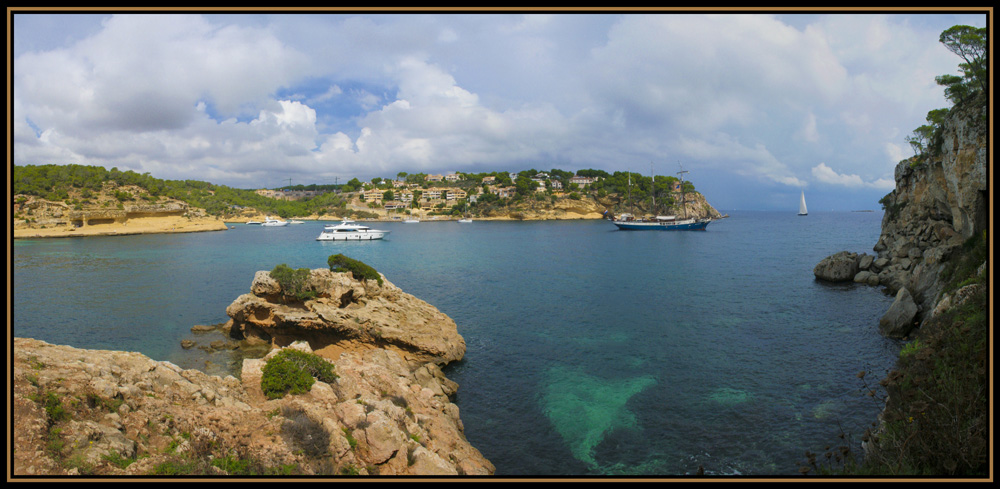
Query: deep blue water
[(590, 350)]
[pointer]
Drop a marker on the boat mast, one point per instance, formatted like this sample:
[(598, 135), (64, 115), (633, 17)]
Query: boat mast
[(631, 207), (652, 187), (683, 201)]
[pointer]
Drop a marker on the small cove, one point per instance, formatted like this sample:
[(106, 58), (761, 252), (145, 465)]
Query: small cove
[(590, 351)]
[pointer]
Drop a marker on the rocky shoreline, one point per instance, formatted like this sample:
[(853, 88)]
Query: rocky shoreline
[(936, 207), (388, 412), (933, 255), (35, 217)]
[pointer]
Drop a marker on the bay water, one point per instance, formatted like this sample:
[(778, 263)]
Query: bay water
[(590, 351)]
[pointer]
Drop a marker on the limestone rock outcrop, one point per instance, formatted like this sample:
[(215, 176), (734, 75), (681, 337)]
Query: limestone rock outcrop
[(345, 315), (938, 204), (387, 412)]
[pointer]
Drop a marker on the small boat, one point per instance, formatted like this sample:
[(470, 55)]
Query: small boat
[(465, 220), (412, 221), (296, 222), (271, 222), (347, 230), (255, 223), (802, 205)]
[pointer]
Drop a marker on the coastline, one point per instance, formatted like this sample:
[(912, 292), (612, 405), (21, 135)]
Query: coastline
[(139, 225)]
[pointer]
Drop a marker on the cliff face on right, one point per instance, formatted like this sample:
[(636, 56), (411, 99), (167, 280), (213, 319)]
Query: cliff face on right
[(940, 203), (934, 253)]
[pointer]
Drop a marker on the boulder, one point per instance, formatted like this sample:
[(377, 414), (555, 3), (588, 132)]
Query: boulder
[(866, 261), (898, 321), (263, 285), (866, 277), (839, 267)]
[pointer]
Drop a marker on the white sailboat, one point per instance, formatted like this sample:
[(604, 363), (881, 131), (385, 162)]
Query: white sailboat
[(802, 205)]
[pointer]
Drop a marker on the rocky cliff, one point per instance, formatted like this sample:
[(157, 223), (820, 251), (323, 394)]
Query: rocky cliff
[(586, 207), (937, 205), (933, 254), (388, 412), (941, 202), (102, 214)]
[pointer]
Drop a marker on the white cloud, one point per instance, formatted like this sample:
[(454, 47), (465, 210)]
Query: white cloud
[(809, 131), (894, 152), (825, 174), (249, 100), (148, 73)]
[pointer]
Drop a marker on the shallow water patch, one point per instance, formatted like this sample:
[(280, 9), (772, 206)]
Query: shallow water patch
[(583, 408)]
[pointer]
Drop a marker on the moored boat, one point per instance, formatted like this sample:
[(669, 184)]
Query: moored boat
[(272, 222), (348, 230), (628, 222)]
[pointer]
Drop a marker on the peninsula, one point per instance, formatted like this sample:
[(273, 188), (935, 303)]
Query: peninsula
[(75, 200)]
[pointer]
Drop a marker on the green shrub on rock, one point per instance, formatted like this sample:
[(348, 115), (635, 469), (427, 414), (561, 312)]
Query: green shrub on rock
[(294, 372), (293, 281), (361, 271)]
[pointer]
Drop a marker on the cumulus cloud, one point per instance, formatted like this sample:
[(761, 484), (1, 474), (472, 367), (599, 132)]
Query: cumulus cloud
[(247, 100), (148, 72), (825, 174)]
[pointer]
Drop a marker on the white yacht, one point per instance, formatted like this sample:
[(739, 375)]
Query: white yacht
[(350, 231), (270, 221)]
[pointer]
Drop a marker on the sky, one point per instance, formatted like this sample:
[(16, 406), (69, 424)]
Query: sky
[(757, 107)]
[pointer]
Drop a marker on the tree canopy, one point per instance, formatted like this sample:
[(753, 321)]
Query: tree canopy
[(969, 43), (52, 182)]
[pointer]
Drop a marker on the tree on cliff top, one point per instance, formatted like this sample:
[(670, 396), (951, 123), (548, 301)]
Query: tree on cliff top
[(969, 43)]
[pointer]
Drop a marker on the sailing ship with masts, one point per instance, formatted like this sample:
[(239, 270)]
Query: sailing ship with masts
[(628, 222)]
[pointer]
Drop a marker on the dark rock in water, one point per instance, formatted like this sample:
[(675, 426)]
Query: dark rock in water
[(898, 321), (839, 267)]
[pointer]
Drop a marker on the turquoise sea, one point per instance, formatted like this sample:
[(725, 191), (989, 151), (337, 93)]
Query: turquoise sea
[(591, 351)]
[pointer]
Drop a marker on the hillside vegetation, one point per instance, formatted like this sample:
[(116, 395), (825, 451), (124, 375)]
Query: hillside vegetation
[(81, 187), (78, 184)]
